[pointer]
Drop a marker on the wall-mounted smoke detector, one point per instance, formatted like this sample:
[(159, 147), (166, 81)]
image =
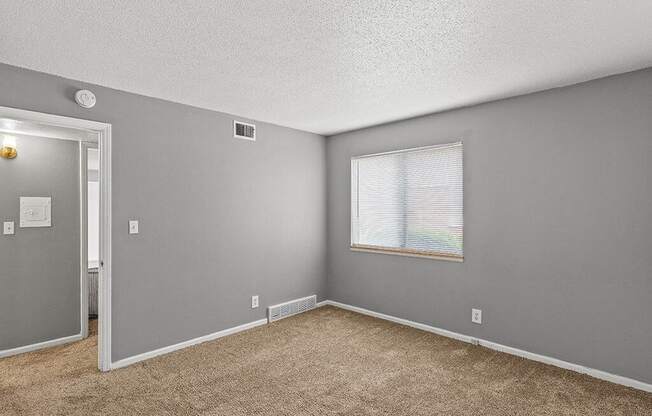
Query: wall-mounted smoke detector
[(244, 130), (85, 98)]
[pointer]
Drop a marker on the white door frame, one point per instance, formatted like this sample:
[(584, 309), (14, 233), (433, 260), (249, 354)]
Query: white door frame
[(103, 132), (83, 238)]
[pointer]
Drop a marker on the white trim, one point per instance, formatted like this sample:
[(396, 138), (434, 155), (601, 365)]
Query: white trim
[(104, 271), (210, 337), (406, 322), (52, 119), (103, 132), (40, 345), (407, 254), (83, 237), (602, 375)]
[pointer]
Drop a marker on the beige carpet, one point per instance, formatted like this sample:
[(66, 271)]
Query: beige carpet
[(327, 361)]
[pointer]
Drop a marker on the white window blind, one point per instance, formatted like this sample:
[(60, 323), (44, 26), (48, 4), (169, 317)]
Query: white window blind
[(409, 202)]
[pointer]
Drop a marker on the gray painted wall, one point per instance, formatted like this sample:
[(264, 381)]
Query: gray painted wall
[(558, 220), (558, 225), (221, 219), (39, 267)]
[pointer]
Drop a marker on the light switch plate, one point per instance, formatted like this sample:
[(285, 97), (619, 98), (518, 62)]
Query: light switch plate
[(133, 227), (8, 228), (35, 212), (254, 301)]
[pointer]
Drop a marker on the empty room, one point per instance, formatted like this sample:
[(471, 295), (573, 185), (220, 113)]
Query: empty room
[(326, 208)]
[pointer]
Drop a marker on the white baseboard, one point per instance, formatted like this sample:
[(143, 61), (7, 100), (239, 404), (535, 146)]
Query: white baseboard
[(602, 375), (40, 345), (402, 321), (155, 353)]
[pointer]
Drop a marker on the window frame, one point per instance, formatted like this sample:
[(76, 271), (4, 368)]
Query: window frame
[(397, 251)]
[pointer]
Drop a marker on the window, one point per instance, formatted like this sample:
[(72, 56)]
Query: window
[(409, 202)]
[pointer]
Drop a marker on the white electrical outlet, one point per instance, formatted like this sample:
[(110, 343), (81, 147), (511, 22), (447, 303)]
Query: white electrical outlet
[(254, 301), (476, 316)]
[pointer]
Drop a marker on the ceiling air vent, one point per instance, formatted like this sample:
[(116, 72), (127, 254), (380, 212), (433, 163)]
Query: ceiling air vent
[(244, 130)]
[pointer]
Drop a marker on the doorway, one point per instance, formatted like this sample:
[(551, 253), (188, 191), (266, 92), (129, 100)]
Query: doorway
[(42, 208), (92, 211)]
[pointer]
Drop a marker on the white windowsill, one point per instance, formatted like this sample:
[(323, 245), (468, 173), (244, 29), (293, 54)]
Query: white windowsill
[(397, 253)]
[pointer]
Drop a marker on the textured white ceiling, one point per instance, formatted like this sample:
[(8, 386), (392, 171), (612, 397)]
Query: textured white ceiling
[(328, 66)]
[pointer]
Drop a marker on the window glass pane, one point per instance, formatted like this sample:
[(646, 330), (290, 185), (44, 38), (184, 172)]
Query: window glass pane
[(410, 200)]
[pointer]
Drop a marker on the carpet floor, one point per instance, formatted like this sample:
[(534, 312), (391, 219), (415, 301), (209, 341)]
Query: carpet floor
[(326, 361)]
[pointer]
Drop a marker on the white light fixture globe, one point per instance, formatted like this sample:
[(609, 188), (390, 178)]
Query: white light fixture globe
[(85, 98), (8, 150)]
